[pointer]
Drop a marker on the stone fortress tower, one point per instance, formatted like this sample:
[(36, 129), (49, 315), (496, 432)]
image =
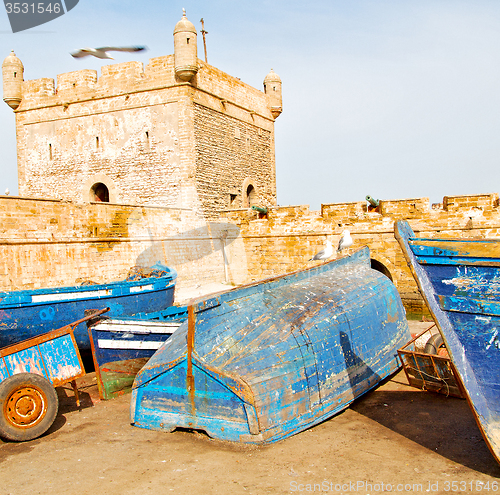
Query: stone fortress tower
[(177, 133)]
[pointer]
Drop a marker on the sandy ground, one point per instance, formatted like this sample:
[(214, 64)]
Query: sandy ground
[(395, 439)]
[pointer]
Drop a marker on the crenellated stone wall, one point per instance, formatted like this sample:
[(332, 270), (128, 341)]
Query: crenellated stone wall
[(49, 243), (288, 237)]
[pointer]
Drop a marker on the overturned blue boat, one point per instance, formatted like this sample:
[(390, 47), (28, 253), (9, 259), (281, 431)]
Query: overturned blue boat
[(265, 361), (28, 313), (459, 280)]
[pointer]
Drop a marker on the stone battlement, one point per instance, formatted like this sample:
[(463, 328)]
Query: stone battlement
[(471, 207), (115, 79), (133, 77)]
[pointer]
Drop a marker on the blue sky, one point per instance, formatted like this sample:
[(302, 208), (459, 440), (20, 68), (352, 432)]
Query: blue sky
[(391, 98)]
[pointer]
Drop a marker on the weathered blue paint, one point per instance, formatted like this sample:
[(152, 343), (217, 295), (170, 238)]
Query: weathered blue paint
[(262, 362), (121, 347), (53, 355), (25, 314), (462, 291)]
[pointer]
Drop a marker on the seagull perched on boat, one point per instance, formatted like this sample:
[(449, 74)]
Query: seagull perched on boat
[(324, 254), (102, 52), (345, 241)]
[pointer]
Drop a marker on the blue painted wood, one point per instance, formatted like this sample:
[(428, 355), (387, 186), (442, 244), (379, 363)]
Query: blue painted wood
[(469, 305), (117, 339), (262, 362), (464, 301), (53, 355), (456, 251), (25, 314), (121, 346)]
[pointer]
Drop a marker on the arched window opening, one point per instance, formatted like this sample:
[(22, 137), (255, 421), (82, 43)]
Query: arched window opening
[(100, 193), (376, 265), (251, 196)]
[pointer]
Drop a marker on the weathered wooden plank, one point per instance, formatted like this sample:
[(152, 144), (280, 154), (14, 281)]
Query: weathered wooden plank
[(469, 305)]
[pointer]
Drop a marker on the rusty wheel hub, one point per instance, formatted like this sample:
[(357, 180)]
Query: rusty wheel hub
[(25, 407)]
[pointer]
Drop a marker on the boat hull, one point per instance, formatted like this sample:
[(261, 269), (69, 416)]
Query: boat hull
[(121, 347), (263, 362), (460, 282), (26, 314)]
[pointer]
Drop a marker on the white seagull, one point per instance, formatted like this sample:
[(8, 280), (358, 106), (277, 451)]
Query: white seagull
[(345, 241), (324, 254), (102, 52)]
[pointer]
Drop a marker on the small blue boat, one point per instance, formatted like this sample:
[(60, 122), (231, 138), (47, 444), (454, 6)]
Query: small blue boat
[(122, 346), (262, 362), (460, 282), (28, 313)]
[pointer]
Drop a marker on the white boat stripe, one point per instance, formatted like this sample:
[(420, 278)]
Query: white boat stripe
[(128, 344), (139, 329), (71, 295), (141, 288)]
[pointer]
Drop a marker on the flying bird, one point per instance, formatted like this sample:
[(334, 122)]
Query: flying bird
[(324, 254), (345, 241), (102, 52)]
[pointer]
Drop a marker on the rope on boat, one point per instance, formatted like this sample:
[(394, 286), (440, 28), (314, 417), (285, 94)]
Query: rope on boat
[(433, 377)]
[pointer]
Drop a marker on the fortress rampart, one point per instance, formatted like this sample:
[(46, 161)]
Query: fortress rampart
[(289, 236), (58, 243)]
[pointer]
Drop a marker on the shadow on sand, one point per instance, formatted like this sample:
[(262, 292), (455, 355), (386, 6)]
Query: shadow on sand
[(442, 424)]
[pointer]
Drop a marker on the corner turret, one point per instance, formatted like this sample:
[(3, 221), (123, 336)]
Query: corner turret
[(272, 88), (185, 49), (12, 71)]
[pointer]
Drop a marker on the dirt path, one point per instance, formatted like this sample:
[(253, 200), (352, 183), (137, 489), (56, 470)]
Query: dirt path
[(395, 435)]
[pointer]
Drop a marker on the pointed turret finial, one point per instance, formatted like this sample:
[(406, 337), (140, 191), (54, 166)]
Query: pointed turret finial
[(183, 12)]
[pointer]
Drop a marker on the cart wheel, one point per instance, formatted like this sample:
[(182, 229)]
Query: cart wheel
[(433, 344), (28, 406)]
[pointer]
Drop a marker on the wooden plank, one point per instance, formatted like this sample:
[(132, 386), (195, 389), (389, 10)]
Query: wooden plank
[(456, 252), (469, 305)]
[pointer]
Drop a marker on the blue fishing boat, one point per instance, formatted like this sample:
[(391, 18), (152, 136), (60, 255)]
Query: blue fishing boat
[(264, 361), (28, 313), (460, 282), (122, 346)]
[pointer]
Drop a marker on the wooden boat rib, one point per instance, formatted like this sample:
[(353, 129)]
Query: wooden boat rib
[(460, 282), (28, 313), (262, 362)]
